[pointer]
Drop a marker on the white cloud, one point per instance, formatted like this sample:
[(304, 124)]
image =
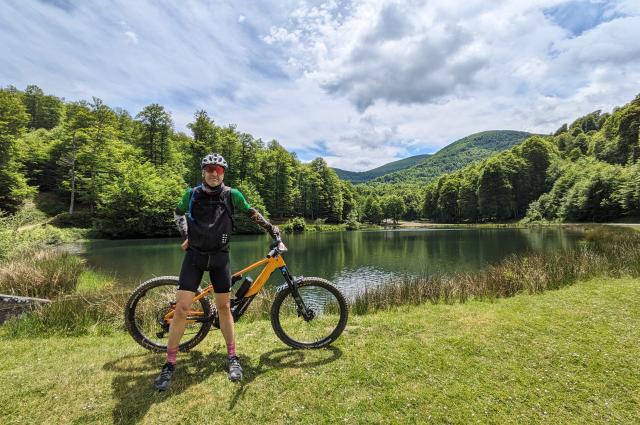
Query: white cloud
[(373, 80), (440, 71), (132, 36)]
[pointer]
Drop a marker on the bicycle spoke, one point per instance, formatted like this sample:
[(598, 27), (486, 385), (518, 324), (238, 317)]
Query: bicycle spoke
[(151, 310)]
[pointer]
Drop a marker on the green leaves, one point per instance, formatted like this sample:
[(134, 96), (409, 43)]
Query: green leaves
[(155, 138), (139, 201), (13, 122), (393, 207), (372, 211)]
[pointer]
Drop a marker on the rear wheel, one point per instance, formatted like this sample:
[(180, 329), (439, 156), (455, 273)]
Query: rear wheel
[(147, 307), (315, 324)]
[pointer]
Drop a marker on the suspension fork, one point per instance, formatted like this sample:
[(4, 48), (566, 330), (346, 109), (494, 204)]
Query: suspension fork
[(306, 313)]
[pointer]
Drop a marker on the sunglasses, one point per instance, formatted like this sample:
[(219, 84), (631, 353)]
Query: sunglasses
[(211, 168)]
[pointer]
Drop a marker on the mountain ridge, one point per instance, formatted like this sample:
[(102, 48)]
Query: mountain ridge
[(426, 167), (363, 176), (457, 155)]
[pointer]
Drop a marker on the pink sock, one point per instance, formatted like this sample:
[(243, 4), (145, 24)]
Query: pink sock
[(171, 355), (231, 349)]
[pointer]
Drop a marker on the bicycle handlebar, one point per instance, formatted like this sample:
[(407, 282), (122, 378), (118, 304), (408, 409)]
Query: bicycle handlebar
[(278, 246)]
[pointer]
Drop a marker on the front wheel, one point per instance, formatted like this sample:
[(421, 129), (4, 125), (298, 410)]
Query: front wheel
[(315, 320)]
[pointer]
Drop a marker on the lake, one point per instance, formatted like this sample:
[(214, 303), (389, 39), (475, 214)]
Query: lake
[(352, 260)]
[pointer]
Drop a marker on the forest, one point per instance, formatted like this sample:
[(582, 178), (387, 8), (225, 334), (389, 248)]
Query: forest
[(123, 174), (587, 171), (92, 165)]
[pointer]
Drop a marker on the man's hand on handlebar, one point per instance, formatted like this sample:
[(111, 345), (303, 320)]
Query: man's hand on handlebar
[(277, 243)]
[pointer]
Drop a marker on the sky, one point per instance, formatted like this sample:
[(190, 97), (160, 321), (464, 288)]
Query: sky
[(360, 83)]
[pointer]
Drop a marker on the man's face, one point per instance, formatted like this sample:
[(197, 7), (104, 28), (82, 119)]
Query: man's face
[(213, 175)]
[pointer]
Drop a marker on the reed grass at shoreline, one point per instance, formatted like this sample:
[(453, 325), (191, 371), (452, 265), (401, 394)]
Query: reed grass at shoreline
[(606, 251)]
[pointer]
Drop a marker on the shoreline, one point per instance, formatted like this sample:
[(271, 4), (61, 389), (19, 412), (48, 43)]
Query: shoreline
[(402, 225)]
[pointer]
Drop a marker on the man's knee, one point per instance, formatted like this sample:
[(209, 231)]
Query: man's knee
[(181, 309), (223, 306)]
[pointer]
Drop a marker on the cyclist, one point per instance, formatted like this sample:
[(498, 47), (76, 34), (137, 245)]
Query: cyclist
[(204, 219)]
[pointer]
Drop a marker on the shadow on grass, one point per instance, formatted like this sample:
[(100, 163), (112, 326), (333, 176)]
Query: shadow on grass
[(133, 385), (283, 358)]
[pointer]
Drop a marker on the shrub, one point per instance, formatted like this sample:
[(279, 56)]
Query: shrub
[(43, 274), (352, 221), (295, 225), (75, 314), (77, 219), (139, 201)]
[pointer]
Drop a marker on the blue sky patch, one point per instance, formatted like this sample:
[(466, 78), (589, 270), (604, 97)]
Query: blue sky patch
[(580, 16), (320, 149), (66, 5)]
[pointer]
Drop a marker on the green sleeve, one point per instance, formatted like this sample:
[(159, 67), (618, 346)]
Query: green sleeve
[(240, 204), (183, 204)]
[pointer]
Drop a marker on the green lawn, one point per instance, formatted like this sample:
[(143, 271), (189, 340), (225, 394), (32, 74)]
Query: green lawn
[(567, 356)]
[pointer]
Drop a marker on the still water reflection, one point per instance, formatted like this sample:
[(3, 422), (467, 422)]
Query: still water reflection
[(352, 260)]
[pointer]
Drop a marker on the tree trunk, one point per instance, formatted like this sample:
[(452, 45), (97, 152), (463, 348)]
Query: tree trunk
[(73, 189), (73, 176)]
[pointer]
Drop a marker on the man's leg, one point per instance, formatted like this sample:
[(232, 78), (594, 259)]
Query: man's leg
[(179, 321), (228, 331), (223, 304), (190, 277), (176, 330), (221, 279)]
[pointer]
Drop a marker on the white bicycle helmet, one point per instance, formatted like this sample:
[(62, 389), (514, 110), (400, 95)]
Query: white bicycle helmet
[(214, 159)]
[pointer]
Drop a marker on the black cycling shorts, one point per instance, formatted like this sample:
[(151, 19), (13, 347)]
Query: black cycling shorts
[(195, 264)]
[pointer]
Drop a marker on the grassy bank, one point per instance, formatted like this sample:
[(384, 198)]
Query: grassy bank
[(87, 304), (567, 356)]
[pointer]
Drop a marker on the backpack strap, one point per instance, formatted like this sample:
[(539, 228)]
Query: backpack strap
[(193, 191), (228, 205)]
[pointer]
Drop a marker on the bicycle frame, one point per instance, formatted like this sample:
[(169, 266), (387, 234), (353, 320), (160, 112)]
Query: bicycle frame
[(272, 262)]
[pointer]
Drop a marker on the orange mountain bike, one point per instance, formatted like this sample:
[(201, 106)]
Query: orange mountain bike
[(307, 312)]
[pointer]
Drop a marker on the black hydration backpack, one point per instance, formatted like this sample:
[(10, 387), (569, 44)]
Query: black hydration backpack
[(210, 220)]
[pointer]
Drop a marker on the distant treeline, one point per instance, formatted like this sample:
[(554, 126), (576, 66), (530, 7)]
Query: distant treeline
[(586, 171)]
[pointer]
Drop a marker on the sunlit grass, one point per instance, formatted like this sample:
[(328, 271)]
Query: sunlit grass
[(567, 356)]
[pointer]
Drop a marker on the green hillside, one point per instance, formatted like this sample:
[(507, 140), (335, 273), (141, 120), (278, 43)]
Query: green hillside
[(457, 155), (365, 176), (587, 171)]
